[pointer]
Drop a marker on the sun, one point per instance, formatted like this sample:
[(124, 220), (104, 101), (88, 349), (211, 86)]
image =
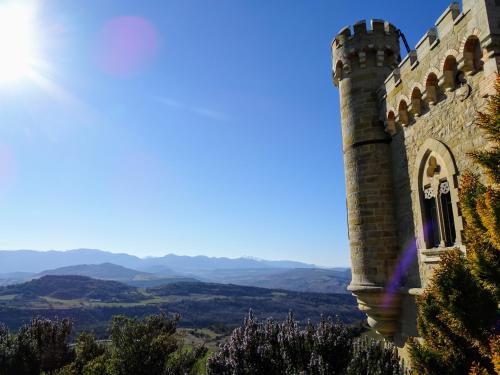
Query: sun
[(17, 40)]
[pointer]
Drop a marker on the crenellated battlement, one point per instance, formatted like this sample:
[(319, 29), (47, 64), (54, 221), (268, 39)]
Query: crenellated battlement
[(460, 45), (359, 47), (401, 118)]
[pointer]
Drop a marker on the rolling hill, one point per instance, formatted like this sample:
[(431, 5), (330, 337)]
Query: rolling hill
[(319, 280), (110, 271), (105, 271), (90, 303), (72, 288)]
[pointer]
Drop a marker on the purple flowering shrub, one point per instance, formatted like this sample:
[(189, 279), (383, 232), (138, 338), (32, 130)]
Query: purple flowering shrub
[(328, 348)]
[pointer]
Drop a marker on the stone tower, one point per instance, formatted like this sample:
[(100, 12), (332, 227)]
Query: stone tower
[(407, 128), (362, 60)]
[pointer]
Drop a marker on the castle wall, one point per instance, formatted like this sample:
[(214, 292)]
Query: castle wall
[(444, 124), (427, 104)]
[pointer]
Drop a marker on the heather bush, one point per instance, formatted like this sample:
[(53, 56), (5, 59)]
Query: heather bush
[(329, 347)]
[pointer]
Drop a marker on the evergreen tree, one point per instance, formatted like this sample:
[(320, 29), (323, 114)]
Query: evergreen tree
[(458, 311)]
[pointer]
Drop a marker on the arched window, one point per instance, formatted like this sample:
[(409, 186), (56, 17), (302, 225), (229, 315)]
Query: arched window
[(416, 102), (472, 55), (449, 233), (431, 88), (449, 73), (403, 113), (438, 199), (431, 221)]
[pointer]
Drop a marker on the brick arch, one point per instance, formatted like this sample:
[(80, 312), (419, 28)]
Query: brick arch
[(432, 70), (451, 52), (416, 85), (402, 105), (390, 122), (472, 53), (449, 69), (389, 111), (432, 89), (476, 32), (401, 98), (416, 99)]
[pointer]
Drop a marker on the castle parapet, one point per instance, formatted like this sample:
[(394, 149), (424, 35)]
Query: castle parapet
[(461, 44), (362, 48)]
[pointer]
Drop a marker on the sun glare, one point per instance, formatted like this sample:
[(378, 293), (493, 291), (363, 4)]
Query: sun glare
[(17, 40)]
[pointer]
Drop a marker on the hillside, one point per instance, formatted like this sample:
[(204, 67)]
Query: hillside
[(319, 280), (305, 280), (106, 271), (72, 288), (90, 303)]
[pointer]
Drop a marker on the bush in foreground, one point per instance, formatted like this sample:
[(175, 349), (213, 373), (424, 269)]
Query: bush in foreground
[(136, 347), (41, 345), (329, 347)]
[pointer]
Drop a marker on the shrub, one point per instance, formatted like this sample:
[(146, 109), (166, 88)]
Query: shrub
[(326, 348)]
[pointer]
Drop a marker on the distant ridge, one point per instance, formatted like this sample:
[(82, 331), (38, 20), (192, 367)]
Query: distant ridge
[(105, 271), (38, 261)]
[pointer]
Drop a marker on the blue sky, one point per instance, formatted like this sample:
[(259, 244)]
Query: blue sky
[(215, 132)]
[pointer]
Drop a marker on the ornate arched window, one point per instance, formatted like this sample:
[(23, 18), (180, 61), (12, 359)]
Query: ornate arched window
[(436, 185), (438, 216)]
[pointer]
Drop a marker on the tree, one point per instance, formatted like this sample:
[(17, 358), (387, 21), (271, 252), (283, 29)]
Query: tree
[(149, 346), (326, 348), (40, 346), (457, 313)]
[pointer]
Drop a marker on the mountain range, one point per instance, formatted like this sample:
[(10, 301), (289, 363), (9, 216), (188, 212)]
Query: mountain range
[(24, 265), (38, 261)]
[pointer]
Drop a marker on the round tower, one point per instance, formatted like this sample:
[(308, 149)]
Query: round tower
[(362, 60)]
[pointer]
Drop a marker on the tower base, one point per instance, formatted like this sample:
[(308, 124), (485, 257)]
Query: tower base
[(382, 307)]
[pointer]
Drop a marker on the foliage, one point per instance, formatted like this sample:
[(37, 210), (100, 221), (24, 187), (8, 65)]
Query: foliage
[(68, 287), (148, 346), (457, 313), (374, 358), (41, 345), (326, 348), (455, 316), (220, 304)]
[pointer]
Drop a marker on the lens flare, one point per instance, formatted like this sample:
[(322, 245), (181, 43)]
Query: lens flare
[(407, 259), (126, 45)]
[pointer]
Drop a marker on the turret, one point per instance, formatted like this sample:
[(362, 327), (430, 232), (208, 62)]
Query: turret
[(362, 60)]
